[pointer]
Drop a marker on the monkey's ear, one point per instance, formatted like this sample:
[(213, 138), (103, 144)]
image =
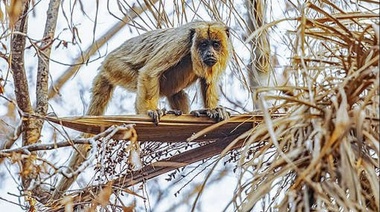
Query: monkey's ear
[(228, 31), (192, 32)]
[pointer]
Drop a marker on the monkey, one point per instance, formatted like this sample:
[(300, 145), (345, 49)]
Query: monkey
[(162, 62)]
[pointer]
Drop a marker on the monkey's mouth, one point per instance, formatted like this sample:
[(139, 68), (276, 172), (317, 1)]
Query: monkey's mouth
[(210, 61)]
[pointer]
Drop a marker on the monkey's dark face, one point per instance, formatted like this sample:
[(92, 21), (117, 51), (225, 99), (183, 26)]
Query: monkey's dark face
[(209, 51)]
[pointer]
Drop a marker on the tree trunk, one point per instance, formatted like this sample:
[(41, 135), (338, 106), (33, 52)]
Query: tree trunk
[(29, 130)]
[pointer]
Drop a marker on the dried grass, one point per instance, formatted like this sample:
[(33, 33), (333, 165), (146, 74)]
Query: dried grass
[(324, 154)]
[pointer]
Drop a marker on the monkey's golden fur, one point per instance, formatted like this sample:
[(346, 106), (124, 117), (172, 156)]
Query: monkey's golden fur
[(161, 63)]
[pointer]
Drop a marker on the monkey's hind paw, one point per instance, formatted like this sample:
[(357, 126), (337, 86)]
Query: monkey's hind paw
[(219, 113), (156, 115)]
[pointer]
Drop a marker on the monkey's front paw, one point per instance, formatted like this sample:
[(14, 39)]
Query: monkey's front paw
[(175, 112), (219, 113), (156, 115), (222, 113)]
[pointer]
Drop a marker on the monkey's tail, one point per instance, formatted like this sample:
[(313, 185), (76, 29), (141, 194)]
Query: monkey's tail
[(101, 94)]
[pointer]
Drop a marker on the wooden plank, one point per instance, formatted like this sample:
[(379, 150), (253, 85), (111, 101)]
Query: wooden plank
[(170, 129)]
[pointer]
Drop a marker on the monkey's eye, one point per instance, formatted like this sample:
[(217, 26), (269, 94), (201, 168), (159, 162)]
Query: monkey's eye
[(203, 45), (216, 44)]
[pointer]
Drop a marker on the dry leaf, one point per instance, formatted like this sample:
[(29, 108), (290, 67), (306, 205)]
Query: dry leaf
[(104, 195), (130, 208)]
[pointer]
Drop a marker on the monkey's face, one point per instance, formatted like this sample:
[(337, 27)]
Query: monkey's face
[(210, 50)]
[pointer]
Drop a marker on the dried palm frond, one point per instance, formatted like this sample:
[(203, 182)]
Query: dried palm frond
[(170, 129)]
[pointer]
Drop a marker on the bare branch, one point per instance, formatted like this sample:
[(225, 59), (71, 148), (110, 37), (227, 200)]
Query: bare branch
[(38, 147), (17, 66), (30, 133), (43, 60)]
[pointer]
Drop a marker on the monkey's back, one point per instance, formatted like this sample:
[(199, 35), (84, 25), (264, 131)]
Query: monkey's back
[(151, 50), (156, 47)]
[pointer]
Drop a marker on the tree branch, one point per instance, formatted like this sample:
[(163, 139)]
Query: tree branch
[(17, 65), (126, 129), (29, 133), (43, 60)]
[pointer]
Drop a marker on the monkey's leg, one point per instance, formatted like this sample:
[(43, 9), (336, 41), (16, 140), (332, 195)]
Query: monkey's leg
[(210, 100), (179, 103), (148, 93)]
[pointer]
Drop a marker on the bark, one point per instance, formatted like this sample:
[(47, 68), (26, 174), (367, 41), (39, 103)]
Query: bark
[(17, 61), (43, 61), (29, 130)]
